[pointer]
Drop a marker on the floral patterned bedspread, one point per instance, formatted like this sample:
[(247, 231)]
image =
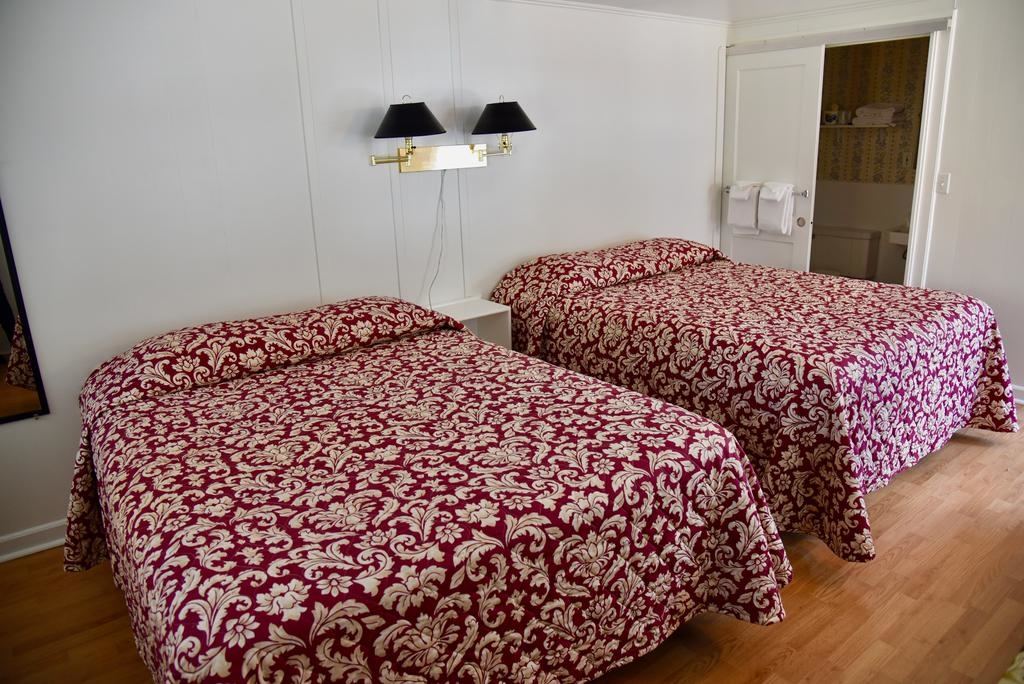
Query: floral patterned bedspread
[(832, 386), (365, 492)]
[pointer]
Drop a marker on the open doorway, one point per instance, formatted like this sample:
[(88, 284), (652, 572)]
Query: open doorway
[(872, 100)]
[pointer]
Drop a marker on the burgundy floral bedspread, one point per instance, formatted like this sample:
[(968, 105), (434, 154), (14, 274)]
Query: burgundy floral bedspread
[(364, 492), (832, 386)]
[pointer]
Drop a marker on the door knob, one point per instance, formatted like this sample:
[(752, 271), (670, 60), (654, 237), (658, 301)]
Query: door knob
[(801, 222)]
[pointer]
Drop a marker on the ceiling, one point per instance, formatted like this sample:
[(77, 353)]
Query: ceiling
[(726, 10)]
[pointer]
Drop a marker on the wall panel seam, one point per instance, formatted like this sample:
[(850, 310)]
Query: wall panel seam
[(461, 177), (305, 112), (387, 77)]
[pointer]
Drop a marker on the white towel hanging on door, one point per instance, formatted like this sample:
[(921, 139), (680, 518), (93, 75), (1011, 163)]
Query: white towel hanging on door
[(741, 207), (775, 208)]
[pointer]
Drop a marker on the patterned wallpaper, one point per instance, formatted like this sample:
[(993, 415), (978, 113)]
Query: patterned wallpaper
[(855, 75)]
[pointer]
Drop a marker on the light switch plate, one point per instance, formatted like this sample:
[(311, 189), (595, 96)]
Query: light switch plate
[(943, 184)]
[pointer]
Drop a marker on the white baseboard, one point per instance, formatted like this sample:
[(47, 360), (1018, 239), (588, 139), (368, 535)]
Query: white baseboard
[(38, 538)]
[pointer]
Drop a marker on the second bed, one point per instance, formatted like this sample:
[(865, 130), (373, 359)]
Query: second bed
[(832, 386)]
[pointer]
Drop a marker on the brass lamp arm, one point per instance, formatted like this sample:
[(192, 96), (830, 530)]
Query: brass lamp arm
[(375, 160), (504, 147), (398, 159)]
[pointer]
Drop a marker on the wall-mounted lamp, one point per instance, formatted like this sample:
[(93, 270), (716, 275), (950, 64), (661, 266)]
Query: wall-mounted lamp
[(413, 119), (503, 118), (406, 120)]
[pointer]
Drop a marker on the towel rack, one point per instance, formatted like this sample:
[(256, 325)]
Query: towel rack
[(799, 193)]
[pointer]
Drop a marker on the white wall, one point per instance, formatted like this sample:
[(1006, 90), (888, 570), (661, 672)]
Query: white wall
[(152, 173), (884, 207), (626, 142), (978, 234), (164, 164), (862, 205)]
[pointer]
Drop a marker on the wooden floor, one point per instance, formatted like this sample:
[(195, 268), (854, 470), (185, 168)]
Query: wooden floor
[(943, 602)]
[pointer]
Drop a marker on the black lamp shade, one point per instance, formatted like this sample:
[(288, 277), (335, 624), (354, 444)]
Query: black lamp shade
[(408, 120), (503, 117)]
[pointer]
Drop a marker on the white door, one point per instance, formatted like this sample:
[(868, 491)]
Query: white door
[(772, 105)]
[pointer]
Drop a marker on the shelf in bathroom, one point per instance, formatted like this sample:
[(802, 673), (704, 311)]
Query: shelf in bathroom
[(889, 125)]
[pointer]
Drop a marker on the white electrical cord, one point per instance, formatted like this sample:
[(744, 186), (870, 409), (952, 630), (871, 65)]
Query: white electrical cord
[(438, 236)]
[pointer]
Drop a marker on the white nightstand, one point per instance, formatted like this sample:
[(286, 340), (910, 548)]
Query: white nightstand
[(486, 319)]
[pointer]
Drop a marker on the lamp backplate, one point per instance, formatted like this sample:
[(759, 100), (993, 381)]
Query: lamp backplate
[(443, 157)]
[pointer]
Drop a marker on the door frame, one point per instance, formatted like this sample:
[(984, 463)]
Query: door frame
[(942, 33)]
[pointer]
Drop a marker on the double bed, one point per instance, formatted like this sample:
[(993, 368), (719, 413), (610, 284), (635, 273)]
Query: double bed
[(367, 492), (831, 385)]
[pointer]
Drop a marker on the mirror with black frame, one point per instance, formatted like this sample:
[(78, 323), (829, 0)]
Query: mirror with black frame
[(21, 387)]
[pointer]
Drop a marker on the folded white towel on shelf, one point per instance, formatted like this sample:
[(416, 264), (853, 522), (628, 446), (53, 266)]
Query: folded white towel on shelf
[(880, 108), (775, 208), (741, 208)]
